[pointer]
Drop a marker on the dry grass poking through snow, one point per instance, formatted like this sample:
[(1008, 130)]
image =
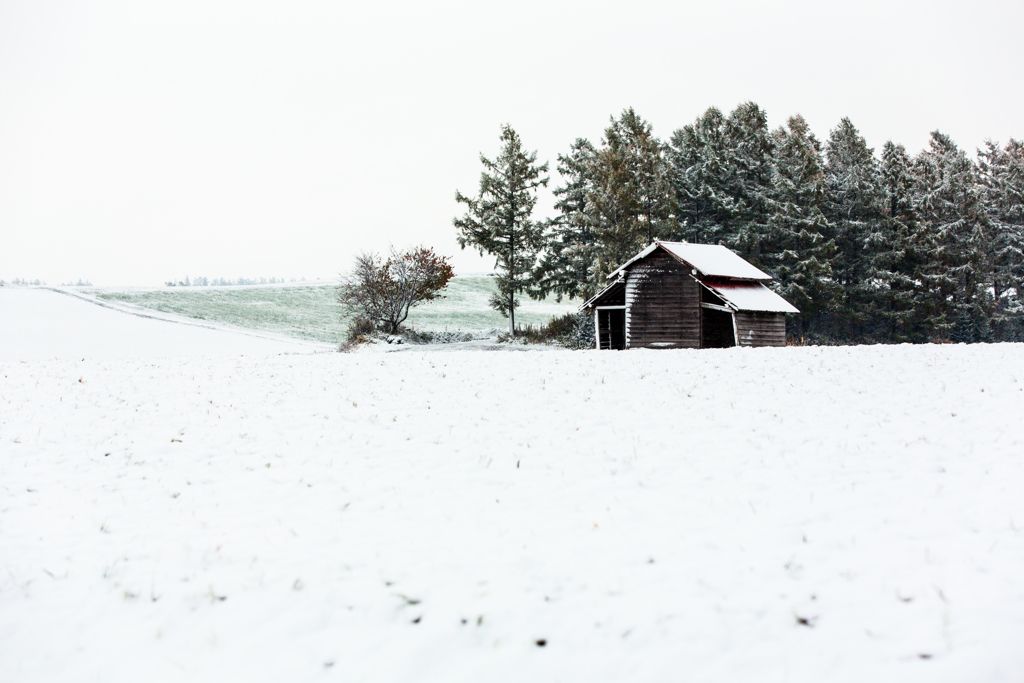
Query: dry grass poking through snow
[(844, 514)]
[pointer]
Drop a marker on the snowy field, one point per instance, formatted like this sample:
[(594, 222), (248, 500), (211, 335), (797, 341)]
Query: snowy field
[(795, 514), (309, 311)]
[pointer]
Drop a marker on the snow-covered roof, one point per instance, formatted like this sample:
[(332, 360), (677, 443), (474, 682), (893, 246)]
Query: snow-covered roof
[(711, 260), (749, 296)]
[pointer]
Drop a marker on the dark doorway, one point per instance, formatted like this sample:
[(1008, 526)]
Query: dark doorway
[(611, 326), (716, 329)]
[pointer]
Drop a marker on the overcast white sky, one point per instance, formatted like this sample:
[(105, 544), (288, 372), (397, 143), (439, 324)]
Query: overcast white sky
[(144, 141)]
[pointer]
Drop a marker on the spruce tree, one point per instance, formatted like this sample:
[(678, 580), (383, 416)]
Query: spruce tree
[(1001, 174), (722, 172), (569, 266), (854, 205), (905, 267), (797, 248), (700, 178), (499, 220), (950, 207), (749, 175)]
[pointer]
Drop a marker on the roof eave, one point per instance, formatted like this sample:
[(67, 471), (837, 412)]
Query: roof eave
[(724, 296), (589, 302), (647, 251)]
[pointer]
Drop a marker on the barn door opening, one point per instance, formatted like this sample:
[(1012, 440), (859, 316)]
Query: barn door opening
[(716, 329), (611, 326)]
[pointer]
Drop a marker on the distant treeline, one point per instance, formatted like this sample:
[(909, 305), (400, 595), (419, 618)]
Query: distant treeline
[(221, 282), (21, 282), (896, 248)]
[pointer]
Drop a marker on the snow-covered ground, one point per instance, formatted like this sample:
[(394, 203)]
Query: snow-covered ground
[(796, 514)]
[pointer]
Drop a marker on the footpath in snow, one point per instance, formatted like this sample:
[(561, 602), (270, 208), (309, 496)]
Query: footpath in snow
[(798, 514)]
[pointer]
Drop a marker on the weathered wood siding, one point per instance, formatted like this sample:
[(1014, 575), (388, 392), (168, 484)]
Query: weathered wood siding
[(754, 328), (662, 304)]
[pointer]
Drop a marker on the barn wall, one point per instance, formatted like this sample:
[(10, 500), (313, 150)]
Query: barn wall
[(760, 329), (662, 304)]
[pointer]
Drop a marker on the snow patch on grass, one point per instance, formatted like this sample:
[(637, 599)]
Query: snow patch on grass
[(310, 312)]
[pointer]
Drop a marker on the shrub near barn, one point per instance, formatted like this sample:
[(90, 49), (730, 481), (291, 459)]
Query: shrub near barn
[(378, 293)]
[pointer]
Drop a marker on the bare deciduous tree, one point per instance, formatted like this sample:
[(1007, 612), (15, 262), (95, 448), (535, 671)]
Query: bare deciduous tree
[(383, 290)]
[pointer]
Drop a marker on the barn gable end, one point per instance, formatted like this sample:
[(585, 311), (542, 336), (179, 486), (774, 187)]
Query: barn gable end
[(662, 304)]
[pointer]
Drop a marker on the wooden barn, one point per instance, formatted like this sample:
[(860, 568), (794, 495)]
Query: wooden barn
[(677, 295)]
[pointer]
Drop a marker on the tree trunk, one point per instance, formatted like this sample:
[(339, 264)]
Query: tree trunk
[(512, 279), (511, 314)]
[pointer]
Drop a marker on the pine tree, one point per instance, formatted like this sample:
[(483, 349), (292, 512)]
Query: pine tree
[(647, 163), (569, 266), (610, 205), (1001, 175), (854, 206), (499, 220), (950, 207), (632, 201), (797, 249)]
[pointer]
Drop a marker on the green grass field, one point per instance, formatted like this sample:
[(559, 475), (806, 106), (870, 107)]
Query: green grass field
[(310, 312)]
